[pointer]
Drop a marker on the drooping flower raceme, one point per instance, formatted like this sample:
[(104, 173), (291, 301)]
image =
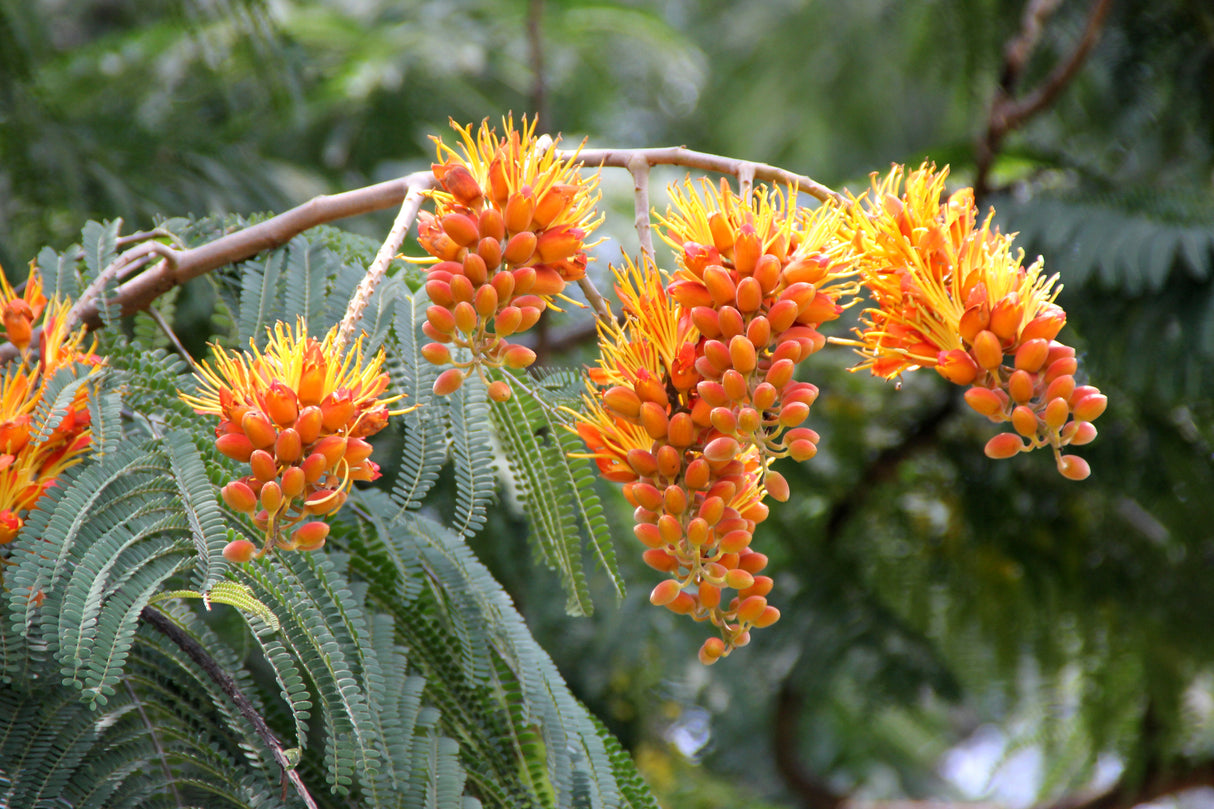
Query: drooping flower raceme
[(298, 413), (508, 232), (34, 454), (694, 398), (951, 294)]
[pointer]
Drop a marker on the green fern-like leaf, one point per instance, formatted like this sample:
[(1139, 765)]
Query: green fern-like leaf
[(472, 456), (260, 297), (536, 463), (308, 268), (425, 436), (58, 273)]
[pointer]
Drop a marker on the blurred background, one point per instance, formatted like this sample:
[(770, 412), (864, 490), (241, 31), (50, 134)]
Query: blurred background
[(955, 630)]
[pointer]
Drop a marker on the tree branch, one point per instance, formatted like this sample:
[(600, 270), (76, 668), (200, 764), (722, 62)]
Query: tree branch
[(379, 266), (181, 265), (1169, 779), (682, 156), (882, 468), (139, 292), (786, 741), (167, 627), (1007, 113)]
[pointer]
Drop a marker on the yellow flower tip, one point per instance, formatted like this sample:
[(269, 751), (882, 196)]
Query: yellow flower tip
[(485, 167), (27, 468), (297, 411), (940, 280)]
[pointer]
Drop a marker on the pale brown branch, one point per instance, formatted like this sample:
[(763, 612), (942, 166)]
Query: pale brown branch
[(139, 292), (164, 326), (181, 265), (638, 167), (375, 273), (1020, 47), (601, 310), (196, 652), (1007, 113), (687, 158), (1170, 779), (1048, 90)]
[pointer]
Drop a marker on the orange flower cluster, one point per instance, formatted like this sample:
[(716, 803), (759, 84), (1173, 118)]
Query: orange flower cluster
[(29, 465), (508, 232), (951, 295), (694, 395), (298, 413)]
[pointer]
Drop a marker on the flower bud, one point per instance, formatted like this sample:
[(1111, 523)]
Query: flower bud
[(448, 382), (730, 321), (310, 536), (670, 461), (985, 401), (766, 618), (517, 356), (681, 431), (314, 467), (1004, 445), (666, 592), (271, 497), (742, 353), (1090, 407), (721, 449), (499, 390), (441, 318), (1024, 420), (1073, 467), (1056, 413), (776, 485), (720, 285), (711, 651), (735, 541), (749, 295), (644, 464), (294, 480), (236, 446), (239, 551), (258, 428), (660, 560), (1031, 355), (1020, 385), (767, 272), (751, 608), (239, 497), (288, 448), (491, 224), (520, 248), (262, 465), (709, 596), (986, 350)]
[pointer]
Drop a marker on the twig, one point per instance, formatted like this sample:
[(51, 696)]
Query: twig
[(682, 156), (139, 292), (146, 235), (601, 310), (638, 167), (812, 792), (159, 320), (375, 273), (164, 763), (181, 265), (127, 262), (167, 627), (1007, 113), (535, 44), (1167, 779)]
